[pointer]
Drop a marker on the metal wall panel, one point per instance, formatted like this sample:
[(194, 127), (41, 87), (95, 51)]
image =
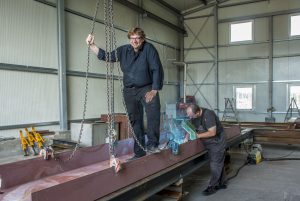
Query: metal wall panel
[(28, 98), (200, 32), (160, 32), (243, 51), (28, 33), (200, 73), (287, 68), (205, 98), (243, 71), (280, 98), (199, 55), (285, 48)]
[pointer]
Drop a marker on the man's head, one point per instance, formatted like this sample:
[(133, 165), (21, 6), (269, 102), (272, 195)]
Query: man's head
[(193, 111), (136, 37)]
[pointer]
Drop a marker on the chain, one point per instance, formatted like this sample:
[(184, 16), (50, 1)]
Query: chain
[(85, 92), (119, 78), (108, 19)]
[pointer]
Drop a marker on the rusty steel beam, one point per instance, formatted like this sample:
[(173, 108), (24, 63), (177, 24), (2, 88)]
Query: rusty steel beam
[(277, 136), (88, 176), (259, 124)]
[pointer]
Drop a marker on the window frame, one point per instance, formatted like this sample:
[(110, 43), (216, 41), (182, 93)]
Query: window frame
[(290, 26), (253, 96), (244, 41)]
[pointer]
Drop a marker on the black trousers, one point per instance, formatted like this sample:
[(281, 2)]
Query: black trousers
[(216, 151), (136, 103)]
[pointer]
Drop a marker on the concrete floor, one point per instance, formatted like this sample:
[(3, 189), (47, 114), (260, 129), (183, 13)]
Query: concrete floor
[(267, 181)]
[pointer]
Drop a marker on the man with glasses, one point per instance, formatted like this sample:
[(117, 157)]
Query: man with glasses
[(143, 78)]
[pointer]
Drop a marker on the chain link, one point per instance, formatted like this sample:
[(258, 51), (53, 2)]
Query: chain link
[(85, 93)]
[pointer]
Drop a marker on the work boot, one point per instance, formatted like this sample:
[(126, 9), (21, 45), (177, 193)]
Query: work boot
[(153, 150), (209, 190), (221, 186)]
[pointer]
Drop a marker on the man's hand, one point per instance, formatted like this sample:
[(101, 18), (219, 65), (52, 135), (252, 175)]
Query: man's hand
[(149, 95), (90, 39)]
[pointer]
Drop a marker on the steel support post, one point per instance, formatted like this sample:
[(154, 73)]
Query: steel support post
[(270, 110), (216, 59), (62, 74)]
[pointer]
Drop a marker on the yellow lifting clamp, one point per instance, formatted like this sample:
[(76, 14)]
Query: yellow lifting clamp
[(38, 138), (31, 141), (24, 143)]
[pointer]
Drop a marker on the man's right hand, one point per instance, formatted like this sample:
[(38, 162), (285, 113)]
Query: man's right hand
[(90, 39)]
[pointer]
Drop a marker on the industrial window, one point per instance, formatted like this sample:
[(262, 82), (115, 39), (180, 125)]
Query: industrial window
[(242, 31), (295, 93), (295, 25), (244, 98)]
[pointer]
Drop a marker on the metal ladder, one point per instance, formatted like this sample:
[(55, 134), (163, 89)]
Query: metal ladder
[(293, 107), (230, 111)]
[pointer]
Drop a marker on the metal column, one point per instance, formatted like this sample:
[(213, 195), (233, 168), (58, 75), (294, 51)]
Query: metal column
[(270, 108), (62, 75), (180, 63), (216, 59)]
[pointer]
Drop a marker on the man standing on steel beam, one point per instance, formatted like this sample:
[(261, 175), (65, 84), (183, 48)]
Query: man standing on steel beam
[(142, 78), (210, 130)]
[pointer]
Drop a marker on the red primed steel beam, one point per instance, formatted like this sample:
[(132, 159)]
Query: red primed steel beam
[(88, 176)]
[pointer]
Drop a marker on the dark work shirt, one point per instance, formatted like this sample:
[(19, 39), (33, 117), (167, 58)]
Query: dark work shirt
[(208, 119), (140, 68)]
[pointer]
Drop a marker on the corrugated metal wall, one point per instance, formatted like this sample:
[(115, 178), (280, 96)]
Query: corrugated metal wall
[(28, 40), (243, 64)]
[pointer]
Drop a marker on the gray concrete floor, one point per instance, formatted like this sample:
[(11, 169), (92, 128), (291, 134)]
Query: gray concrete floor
[(267, 181)]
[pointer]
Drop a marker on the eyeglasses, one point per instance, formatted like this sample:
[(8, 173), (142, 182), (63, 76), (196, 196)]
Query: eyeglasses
[(135, 38)]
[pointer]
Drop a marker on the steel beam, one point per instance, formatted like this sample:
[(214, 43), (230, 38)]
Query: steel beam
[(199, 8), (89, 177), (251, 17), (168, 6), (241, 3), (151, 15), (198, 17)]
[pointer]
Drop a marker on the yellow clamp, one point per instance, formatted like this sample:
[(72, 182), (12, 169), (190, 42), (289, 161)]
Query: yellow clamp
[(38, 138), (23, 140)]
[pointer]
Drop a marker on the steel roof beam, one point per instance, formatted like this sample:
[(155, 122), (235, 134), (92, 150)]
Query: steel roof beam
[(151, 15)]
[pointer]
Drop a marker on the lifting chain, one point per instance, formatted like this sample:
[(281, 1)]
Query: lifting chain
[(85, 93), (108, 21), (113, 37)]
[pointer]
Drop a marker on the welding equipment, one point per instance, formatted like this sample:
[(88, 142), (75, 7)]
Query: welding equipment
[(255, 155)]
